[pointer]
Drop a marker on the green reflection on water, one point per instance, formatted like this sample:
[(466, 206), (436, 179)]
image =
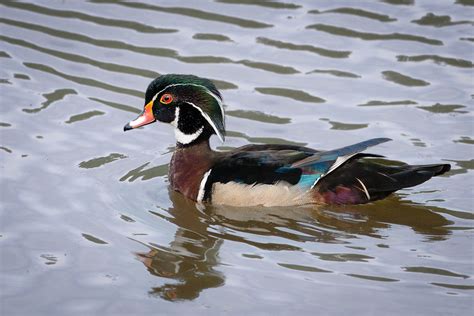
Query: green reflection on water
[(454, 286), (372, 278), (436, 271), (263, 140), (455, 62), (342, 257), (212, 37), (337, 73), (145, 174), (263, 3), (403, 80), (297, 95), (303, 268), (21, 76), (385, 103), (341, 31), (344, 126), (443, 108), (51, 97), (190, 12), (259, 116), (94, 239), (84, 116), (357, 12), (300, 47), (431, 19), (85, 81), (100, 161), (139, 27), (284, 70)]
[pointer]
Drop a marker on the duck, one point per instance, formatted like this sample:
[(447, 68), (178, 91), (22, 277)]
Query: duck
[(263, 174)]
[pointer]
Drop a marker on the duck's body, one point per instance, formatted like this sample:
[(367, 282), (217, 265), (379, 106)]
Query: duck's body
[(269, 175)]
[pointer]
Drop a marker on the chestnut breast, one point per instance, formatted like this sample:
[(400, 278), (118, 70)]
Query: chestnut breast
[(187, 168)]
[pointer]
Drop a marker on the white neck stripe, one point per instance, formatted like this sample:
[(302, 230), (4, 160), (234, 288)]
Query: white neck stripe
[(181, 137)]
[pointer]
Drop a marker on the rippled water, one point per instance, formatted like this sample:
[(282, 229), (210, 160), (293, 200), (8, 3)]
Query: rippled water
[(88, 225)]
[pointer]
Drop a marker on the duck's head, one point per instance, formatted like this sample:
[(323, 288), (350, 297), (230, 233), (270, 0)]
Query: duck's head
[(193, 105)]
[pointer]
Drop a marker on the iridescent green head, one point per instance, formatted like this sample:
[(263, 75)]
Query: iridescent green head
[(193, 105)]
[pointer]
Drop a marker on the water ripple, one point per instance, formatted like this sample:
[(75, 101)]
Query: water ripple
[(212, 37), (115, 105), (82, 59), (263, 3), (85, 81), (190, 12), (100, 161), (51, 97), (341, 31), (444, 108), (143, 28), (303, 268), (403, 80), (436, 271), (297, 95), (259, 116), (357, 12), (308, 48), (83, 116), (344, 126), (152, 51), (145, 174), (333, 72), (388, 103), (431, 19), (455, 62)]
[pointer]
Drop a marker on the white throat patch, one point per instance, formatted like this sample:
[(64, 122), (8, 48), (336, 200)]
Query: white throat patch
[(181, 137)]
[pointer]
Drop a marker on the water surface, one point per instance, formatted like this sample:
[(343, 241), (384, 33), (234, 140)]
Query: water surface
[(89, 227)]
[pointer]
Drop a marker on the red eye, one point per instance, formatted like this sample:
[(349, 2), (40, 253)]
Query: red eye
[(166, 98)]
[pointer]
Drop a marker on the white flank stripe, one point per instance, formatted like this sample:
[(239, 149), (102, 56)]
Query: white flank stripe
[(365, 189), (202, 186)]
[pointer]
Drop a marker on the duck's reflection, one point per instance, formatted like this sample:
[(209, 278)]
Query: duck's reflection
[(192, 257)]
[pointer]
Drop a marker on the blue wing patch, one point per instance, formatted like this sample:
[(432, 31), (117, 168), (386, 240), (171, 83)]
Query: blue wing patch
[(318, 165)]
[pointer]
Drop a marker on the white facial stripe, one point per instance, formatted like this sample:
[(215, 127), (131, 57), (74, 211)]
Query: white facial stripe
[(219, 100), (202, 186), (208, 119), (176, 117), (181, 137)]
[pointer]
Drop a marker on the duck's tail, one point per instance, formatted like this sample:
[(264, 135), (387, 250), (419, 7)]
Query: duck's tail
[(363, 180)]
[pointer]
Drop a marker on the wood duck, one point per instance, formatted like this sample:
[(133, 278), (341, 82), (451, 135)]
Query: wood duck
[(268, 175)]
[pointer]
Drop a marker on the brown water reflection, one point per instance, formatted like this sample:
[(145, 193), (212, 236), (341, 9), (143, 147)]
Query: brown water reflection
[(190, 258), (191, 261)]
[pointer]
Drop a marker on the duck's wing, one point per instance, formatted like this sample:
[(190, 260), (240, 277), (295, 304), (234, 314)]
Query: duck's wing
[(320, 164), (270, 164), (259, 164)]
